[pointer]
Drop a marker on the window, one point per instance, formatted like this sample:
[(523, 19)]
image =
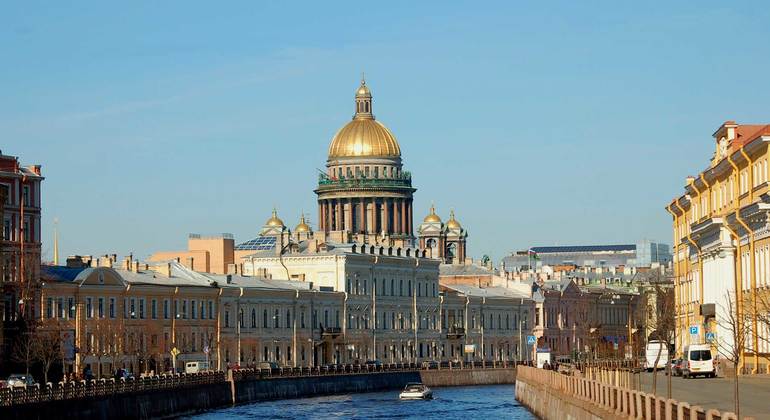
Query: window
[(288, 319), (275, 319), (141, 308), (302, 319), (227, 319), (264, 318), (100, 307), (211, 310), (184, 309), (133, 308), (165, 308), (26, 196), (203, 310), (49, 308), (89, 314), (193, 310), (7, 229), (253, 318), (71, 307)]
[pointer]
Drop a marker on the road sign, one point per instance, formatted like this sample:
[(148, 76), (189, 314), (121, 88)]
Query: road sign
[(694, 330), (175, 352), (531, 339), (710, 337)]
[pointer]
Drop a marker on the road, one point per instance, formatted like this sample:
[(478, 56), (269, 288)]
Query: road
[(717, 392)]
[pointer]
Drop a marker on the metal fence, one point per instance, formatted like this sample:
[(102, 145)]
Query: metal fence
[(103, 387)]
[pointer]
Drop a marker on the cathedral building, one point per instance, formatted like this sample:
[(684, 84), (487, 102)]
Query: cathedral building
[(366, 195)]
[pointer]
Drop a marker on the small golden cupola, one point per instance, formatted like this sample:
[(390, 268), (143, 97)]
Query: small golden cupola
[(452, 223), (432, 217), (302, 227), (274, 220)]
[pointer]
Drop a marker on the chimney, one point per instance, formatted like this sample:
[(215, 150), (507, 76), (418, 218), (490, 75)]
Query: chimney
[(190, 261), (229, 279), (136, 266), (127, 263), (240, 268), (312, 246)]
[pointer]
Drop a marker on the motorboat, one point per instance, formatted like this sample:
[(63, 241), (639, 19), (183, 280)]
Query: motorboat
[(416, 391)]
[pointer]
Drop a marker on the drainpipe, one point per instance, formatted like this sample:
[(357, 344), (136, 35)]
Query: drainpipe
[(677, 273), (697, 248), (374, 309), (738, 264), (752, 274)]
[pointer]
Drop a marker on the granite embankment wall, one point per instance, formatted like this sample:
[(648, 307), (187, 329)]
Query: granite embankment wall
[(465, 377), (150, 404), (298, 387), (548, 403)]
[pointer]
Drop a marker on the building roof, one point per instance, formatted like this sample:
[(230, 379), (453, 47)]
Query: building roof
[(490, 292), (464, 270), (62, 274), (583, 248)]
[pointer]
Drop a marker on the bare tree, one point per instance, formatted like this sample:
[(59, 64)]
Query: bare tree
[(47, 347), (664, 323), (24, 346), (738, 326), (112, 335)]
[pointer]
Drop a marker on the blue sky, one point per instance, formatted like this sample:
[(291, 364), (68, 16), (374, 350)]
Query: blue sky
[(558, 123)]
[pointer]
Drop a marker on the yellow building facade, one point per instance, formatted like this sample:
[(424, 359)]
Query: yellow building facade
[(721, 252)]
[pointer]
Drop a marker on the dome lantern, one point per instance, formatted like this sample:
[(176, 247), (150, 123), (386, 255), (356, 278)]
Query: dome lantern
[(302, 226), (274, 220), (452, 223), (363, 102)]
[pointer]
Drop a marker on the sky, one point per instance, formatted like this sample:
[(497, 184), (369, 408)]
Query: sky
[(539, 123)]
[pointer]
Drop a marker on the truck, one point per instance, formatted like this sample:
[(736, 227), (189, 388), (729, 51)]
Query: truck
[(651, 354)]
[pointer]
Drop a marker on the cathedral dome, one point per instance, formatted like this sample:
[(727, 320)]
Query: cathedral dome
[(452, 223), (364, 136), (274, 221), (432, 217)]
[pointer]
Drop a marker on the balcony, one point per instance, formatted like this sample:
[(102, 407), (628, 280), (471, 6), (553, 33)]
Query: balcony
[(331, 332), (455, 332), (401, 181)]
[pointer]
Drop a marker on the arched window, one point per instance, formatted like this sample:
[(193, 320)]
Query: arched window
[(288, 318), (275, 319), (253, 318)]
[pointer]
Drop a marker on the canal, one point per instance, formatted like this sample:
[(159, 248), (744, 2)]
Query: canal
[(482, 402)]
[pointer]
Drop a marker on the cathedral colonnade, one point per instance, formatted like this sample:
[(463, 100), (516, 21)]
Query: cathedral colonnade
[(366, 214)]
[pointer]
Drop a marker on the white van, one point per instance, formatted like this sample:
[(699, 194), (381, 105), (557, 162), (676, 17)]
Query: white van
[(651, 353), (195, 367), (697, 360)]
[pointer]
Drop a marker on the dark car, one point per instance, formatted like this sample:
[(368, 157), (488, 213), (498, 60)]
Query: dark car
[(676, 367), (430, 364), (375, 364)]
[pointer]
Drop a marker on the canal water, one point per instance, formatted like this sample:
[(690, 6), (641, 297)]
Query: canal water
[(469, 402)]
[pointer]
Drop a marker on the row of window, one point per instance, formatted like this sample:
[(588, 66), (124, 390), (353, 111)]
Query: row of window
[(133, 308), (361, 287), (364, 172)]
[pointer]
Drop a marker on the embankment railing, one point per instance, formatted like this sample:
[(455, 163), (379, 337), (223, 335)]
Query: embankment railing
[(622, 401)]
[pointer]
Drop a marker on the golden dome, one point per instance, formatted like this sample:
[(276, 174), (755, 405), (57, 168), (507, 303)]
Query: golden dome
[(432, 217), (302, 226), (452, 223), (274, 221), (364, 136)]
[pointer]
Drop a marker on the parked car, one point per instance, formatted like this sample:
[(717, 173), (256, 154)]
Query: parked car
[(374, 363), (698, 361), (268, 365), (430, 364), (20, 380)]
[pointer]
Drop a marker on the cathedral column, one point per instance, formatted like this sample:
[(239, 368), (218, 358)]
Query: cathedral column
[(362, 215), (348, 206), (338, 214), (370, 217), (320, 216), (329, 215), (403, 217), (410, 221), (386, 215), (397, 215)]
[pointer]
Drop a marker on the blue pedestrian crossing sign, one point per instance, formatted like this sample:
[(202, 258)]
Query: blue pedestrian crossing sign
[(531, 339), (710, 337), (694, 330)]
